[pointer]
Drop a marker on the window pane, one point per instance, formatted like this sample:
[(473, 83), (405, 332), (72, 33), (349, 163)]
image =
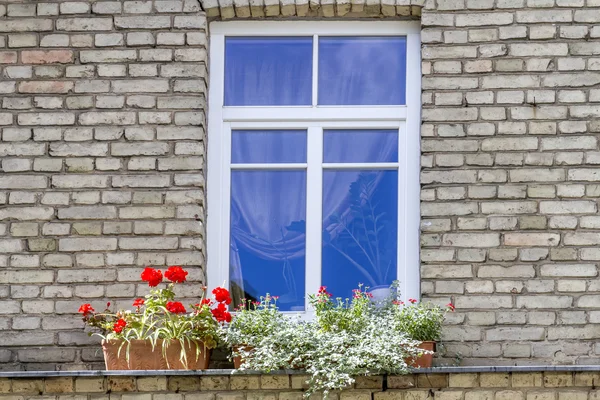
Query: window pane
[(267, 236), (268, 71), (268, 146), (360, 229), (349, 146), (362, 70)]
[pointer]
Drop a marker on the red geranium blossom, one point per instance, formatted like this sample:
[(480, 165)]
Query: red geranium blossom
[(139, 302), (86, 309), (221, 314), (451, 306), (175, 307), (222, 295), (119, 325), (412, 301), (152, 276), (176, 274)]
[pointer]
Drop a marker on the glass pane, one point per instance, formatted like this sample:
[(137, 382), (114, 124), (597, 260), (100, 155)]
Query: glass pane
[(362, 70), (348, 146), (268, 146), (267, 240), (360, 230), (262, 71)]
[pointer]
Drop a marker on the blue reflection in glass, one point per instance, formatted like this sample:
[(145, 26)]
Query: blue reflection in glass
[(350, 146), (267, 240), (268, 146), (362, 70), (360, 229), (268, 71)]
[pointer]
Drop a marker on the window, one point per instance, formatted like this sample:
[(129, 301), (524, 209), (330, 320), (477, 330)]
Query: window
[(313, 158)]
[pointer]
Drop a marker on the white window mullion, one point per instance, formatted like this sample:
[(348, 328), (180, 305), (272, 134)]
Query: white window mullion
[(315, 71), (226, 204), (276, 167), (314, 211), (362, 166)]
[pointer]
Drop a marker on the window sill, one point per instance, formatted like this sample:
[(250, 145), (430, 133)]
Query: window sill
[(224, 372)]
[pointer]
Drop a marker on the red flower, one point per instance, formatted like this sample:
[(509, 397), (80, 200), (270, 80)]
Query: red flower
[(222, 295), (152, 276), (221, 314), (412, 301), (139, 302), (176, 274), (451, 306), (175, 307), (119, 325), (397, 302), (86, 309)]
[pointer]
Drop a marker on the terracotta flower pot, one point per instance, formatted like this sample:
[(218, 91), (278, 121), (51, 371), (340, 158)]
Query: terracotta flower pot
[(143, 357), (238, 360), (425, 360)]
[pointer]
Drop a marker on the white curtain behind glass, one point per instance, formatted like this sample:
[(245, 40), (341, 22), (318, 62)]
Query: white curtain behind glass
[(260, 211)]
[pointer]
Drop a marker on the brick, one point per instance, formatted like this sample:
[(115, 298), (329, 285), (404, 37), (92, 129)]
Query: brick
[(140, 86), (147, 243), (44, 87), (46, 119), (84, 24), (484, 19), (107, 118), (47, 56), (27, 25), (107, 56), (153, 22)]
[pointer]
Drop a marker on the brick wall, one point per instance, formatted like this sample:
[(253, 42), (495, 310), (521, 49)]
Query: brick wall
[(438, 386), (102, 155), (510, 159)]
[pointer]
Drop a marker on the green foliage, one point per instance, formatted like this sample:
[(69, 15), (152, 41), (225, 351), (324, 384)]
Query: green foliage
[(158, 318), (341, 314), (253, 321), (420, 321), (347, 338)]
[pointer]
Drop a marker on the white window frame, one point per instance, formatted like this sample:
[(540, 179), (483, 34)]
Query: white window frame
[(314, 118)]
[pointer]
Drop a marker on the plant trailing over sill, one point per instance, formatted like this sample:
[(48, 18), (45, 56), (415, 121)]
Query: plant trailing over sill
[(347, 338)]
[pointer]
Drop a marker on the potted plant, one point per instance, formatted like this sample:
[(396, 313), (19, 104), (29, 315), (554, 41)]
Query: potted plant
[(160, 333), (422, 321), (253, 320), (347, 338)]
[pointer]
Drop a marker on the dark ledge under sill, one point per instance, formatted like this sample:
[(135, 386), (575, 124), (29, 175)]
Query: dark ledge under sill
[(435, 370)]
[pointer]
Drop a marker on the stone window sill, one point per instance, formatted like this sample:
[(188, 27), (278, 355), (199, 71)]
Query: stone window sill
[(221, 372)]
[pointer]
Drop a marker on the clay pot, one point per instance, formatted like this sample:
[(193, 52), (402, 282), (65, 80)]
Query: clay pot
[(238, 360), (425, 360), (143, 357)]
